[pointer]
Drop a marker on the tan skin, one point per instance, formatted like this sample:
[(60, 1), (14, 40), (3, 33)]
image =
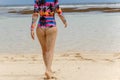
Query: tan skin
[(47, 38)]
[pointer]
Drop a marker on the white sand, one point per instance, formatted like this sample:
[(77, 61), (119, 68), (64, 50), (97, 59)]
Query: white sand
[(66, 66)]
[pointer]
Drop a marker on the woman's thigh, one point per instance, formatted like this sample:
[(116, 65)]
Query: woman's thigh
[(51, 34), (41, 37)]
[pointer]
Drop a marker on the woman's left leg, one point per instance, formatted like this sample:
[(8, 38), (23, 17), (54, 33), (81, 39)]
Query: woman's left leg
[(51, 34)]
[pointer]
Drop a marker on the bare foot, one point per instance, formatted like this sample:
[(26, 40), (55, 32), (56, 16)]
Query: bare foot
[(53, 72), (50, 75)]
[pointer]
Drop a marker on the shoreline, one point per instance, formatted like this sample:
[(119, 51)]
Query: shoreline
[(102, 9)]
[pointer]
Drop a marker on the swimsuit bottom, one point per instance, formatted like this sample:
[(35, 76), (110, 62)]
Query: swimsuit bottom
[(46, 22)]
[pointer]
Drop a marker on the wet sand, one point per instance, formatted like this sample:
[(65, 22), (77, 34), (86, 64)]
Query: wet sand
[(73, 66)]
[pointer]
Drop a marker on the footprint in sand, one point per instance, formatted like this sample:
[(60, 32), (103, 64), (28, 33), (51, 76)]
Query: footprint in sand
[(79, 56), (65, 55), (108, 60)]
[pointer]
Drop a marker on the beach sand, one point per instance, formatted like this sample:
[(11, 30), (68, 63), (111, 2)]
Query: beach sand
[(73, 66)]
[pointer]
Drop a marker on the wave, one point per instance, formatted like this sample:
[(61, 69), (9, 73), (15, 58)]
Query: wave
[(117, 5)]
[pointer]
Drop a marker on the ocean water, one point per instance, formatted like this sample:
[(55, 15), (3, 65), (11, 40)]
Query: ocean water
[(26, 2), (90, 31)]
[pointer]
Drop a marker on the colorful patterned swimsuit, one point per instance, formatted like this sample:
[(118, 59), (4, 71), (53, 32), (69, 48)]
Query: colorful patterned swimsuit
[(47, 9)]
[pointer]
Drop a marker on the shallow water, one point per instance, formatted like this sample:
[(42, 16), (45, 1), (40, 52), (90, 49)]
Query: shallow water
[(92, 31)]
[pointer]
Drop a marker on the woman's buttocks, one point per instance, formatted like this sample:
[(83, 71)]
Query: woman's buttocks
[(47, 21)]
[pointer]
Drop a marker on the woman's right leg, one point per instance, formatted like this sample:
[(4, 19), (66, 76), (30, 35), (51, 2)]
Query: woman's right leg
[(42, 40)]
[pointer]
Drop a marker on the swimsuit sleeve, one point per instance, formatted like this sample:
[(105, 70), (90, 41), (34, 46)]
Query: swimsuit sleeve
[(36, 7), (35, 14), (58, 9)]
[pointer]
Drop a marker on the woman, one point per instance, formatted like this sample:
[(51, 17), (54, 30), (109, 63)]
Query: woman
[(46, 29)]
